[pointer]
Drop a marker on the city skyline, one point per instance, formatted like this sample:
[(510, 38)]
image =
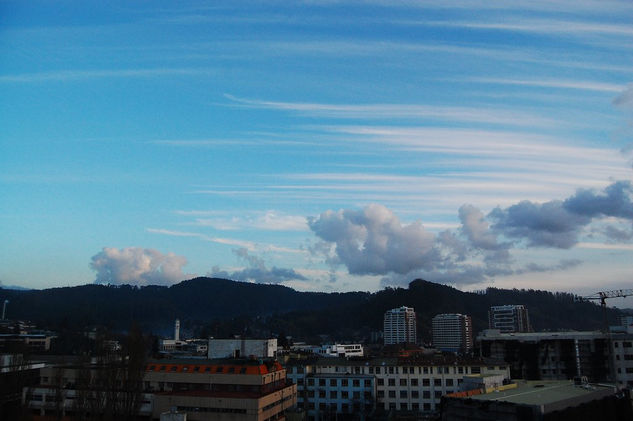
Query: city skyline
[(326, 146)]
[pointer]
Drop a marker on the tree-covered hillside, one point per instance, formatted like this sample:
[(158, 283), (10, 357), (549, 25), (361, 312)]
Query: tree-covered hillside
[(277, 308)]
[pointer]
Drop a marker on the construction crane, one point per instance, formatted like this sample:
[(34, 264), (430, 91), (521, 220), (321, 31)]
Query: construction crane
[(602, 296)]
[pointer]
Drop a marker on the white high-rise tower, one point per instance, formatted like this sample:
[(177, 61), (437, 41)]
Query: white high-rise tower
[(400, 326)]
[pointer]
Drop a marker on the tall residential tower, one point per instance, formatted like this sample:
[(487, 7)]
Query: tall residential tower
[(453, 332), (400, 326), (509, 318)]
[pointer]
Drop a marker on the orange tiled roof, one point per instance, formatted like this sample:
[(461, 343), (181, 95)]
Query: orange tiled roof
[(227, 368)]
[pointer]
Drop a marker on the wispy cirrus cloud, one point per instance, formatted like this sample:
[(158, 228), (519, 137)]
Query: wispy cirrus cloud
[(70, 75), (402, 111), (269, 221), (542, 26), (248, 245), (555, 83)]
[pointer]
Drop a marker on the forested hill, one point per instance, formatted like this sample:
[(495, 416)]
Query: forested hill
[(281, 308)]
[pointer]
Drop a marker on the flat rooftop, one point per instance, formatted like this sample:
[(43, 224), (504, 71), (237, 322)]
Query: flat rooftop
[(544, 393)]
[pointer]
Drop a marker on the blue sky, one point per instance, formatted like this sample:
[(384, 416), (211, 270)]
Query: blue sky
[(327, 146)]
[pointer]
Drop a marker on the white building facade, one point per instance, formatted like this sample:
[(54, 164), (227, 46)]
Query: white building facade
[(400, 326), (412, 386)]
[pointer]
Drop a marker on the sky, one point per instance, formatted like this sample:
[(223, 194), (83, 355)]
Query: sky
[(322, 145)]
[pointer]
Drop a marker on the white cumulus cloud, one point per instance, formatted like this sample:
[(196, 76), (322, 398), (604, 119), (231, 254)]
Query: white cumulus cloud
[(138, 266)]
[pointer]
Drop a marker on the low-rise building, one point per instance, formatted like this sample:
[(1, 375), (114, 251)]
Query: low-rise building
[(235, 348), (220, 390), (406, 385), (540, 400), (336, 350)]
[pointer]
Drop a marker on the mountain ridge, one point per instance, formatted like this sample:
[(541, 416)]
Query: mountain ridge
[(278, 308)]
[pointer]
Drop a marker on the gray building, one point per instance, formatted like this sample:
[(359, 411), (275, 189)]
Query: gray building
[(235, 348), (453, 332), (509, 318)]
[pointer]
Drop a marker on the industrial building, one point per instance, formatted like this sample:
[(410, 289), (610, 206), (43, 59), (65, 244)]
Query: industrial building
[(539, 401), (400, 326)]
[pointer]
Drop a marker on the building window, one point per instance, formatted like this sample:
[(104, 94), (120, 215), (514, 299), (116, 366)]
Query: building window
[(356, 395), (333, 394), (414, 382), (322, 382), (356, 383), (377, 370), (438, 394), (403, 406), (345, 408), (392, 393), (390, 370), (426, 370), (333, 382), (426, 394), (310, 382), (344, 383), (322, 394), (415, 394), (460, 370), (381, 382), (475, 370), (371, 370), (415, 406), (426, 382), (381, 393), (391, 382), (344, 394), (437, 382), (367, 383), (403, 382), (427, 406), (627, 344), (449, 382), (403, 394)]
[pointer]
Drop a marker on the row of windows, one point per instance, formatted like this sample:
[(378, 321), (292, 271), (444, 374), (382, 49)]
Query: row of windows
[(414, 394), (415, 382), (408, 370), (343, 382), (345, 408), (198, 369), (217, 410), (334, 394)]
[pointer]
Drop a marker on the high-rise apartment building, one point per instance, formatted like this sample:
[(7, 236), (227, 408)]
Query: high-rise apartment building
[(452, 332), (400, 326), (509, 318)]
